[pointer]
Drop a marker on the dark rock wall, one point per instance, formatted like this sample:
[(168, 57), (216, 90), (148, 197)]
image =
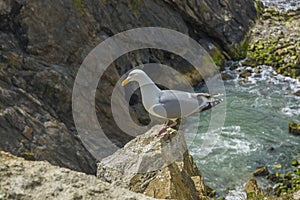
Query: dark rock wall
[(43, 43)]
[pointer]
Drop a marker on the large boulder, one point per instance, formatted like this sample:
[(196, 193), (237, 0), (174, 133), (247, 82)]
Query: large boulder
[(21, 179), (43, 45), (159, 167)]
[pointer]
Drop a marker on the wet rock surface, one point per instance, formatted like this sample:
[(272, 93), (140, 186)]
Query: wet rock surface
[(43, 44), (160, 167), (261, 171), (294, 128), (275, 42), (21, 179)]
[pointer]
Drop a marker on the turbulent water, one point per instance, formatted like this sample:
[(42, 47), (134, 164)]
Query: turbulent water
[(282, 5), (255, 132)]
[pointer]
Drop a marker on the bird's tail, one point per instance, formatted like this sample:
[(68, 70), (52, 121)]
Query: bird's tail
[(212, 102), (207, 95)]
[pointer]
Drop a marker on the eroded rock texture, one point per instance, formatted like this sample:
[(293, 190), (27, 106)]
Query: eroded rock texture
[(160, 167)]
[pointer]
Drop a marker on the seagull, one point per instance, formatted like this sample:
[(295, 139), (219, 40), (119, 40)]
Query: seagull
[(170, 104)]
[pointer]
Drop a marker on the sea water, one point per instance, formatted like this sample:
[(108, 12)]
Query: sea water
[(255, 133)]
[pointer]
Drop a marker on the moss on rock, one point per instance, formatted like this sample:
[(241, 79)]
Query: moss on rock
[(294, 128), (273, 42)]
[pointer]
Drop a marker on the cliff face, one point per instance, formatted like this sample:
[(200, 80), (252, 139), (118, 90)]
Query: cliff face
[(43, 45), (160, 167), (223, 23)]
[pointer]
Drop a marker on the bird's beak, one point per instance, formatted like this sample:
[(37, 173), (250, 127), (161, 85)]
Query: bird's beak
[(125, 82)]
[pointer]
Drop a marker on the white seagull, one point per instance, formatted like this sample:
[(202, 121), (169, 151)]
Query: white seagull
[(170, 104)]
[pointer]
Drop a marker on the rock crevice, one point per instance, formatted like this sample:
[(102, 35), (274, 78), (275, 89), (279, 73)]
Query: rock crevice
[(160, 167)]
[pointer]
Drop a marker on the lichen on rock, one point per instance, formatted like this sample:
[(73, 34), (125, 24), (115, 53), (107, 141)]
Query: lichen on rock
[(159, 167), (275, 42), (21, 179), (294, 128)]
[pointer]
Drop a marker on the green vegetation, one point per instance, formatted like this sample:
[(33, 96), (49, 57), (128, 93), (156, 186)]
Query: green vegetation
[(294, 128), (279, 49), (80, 4), (218, 58), (288, 183), (28, 155)]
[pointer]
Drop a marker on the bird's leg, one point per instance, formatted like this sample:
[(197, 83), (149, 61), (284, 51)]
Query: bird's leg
[(166, 122), (164, 130), (173, 124)]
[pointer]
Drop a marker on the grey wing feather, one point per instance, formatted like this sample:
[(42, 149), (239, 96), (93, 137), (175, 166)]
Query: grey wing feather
[(179, 104)]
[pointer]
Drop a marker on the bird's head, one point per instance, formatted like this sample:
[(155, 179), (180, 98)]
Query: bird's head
[(135, 75)]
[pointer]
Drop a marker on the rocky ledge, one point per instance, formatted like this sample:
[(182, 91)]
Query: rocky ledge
[(21, 179), (160, 167), (275, 42)]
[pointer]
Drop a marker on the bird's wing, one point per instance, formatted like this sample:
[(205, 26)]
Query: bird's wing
[(177, 104)]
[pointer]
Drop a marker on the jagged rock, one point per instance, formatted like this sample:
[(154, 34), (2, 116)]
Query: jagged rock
[(295, 163), (261, 171), (294, 128), (244, 73), (252, 189), (159, 167), (27, 180), (229, 21), (297, 93), (40, 54), (227, 76)]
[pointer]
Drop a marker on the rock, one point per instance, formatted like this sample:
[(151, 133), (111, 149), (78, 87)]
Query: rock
[(229, 26), (160, 167), (295, 163), (244, 73), (226, 76), (297, 93), (26, 180), (296, 195), (5, 7), (273, 177), (252, 189), (294, 128), (272, 42), (41, 54), (277, 166), (261, 171)]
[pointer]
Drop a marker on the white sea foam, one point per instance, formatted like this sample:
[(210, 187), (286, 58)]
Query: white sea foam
[(229, 141), (258, 113), (267, 74), (290, 112), (282, 5), (237, 194)]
